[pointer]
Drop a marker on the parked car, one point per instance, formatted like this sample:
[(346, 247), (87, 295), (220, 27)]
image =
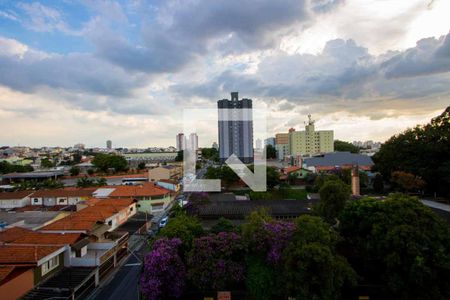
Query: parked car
[(163, 222)]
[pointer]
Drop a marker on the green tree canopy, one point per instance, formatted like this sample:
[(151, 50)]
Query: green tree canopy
[(345, 146), (313, 269), (184, 227), (422, 151), (6, 167), (271, 153), (399, 243), (74, 171), (104, 162), (333, 196)]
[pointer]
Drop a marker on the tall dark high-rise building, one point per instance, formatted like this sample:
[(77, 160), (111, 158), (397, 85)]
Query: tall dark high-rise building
[(108, 145), (235, 128)]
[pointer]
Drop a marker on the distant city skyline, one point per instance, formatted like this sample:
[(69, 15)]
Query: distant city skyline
[(88, 71)]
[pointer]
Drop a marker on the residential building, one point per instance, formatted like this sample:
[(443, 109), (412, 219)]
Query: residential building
[(235, 128), (258, 144), (310, 141), (282, 145), (168, 184), (30, 219), (338, 160), (150, 197), (24, 266), (10, 200), (193, 142), (165, 172), (63, 196), (79, 146), (109, 144), (181, 142)]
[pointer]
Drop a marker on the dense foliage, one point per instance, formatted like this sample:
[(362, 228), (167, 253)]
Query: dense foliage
[(399, 243), (91, 182), (313, 269), (216, 261), (210, 153), (398, 246), (6, 167), (37, 185), (271, 153), (345, 146), (105, 162), (164, 272), (422, 151), (333, 196), (74, 171)]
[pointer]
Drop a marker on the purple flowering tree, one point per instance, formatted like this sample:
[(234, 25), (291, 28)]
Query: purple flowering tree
[(216, 261), (164, 273)]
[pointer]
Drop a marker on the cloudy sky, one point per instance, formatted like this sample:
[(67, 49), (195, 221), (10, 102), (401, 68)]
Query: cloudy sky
[(88, 71)]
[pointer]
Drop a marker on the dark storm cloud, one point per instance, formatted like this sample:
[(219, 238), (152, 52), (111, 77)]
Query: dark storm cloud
[(180, 33), (430, 56), (342, 70)]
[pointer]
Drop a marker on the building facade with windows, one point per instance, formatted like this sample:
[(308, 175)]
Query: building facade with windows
[(310, 141), (235, 128)]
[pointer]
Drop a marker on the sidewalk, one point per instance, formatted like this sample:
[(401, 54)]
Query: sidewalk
[(441, 206)]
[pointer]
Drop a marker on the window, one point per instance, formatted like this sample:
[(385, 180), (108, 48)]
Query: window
[(35, 200), (61, 200), (50, 265), (110, 223), (131, 208)]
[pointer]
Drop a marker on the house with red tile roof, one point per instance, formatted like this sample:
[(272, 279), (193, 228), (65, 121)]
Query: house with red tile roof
[(22, 267), (150, 197)]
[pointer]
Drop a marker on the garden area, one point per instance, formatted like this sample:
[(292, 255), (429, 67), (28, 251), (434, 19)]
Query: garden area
[(398, 247)]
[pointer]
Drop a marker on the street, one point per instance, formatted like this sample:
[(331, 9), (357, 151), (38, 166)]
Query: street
[(124, 283)]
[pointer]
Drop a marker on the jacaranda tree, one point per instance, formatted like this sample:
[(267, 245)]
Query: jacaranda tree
[(216, 261), (164, 273)]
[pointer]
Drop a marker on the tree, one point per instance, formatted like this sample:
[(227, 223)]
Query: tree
[(271, 153), (184, 227), (164, 273), (216, 261), (6, 167), (333, 196), (406, 181), (422, 151), (90, 182), (345, 147), (223, 225), (180, 156), (210, 153), (74, 171), (398, 243), (273, 177), (104, 162), (292, 177), (90, 172), (378, 185), (141, 166), (46, 163), (312, 268)]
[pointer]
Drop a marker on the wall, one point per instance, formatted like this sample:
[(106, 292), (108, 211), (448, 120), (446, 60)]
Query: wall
[(13, 203), (18, 286), (38, 277)]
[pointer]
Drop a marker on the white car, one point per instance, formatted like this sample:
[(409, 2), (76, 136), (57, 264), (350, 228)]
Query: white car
[(163, 222)]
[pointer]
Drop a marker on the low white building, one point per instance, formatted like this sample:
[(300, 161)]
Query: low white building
[(17, 199)]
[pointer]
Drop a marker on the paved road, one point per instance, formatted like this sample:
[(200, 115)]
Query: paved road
[(124, 283)]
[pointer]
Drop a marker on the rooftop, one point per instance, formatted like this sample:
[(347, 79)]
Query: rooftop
[(42, 238), (339, 159), (15, 195), (10, 234), (147, 189), (37, 174), (18, 255), (65, 192)]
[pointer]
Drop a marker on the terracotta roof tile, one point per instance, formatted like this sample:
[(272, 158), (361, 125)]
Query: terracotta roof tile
[(42, 238), (65, 192), (14, 254), (13, 233), (147, 189), (5, 271), (15, 195), (86, 218)]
